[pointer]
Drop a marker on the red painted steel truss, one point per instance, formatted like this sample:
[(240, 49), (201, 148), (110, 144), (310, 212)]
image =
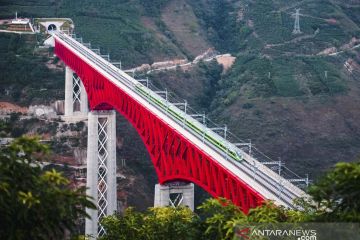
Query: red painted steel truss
[(173, 156)]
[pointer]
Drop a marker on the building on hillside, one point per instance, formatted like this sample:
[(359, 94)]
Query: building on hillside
[(20, 25), (47, 25), (22, 21)]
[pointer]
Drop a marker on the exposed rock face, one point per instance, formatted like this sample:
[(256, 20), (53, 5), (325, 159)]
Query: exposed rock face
[(351, 44), (169, 63), (226, 60), (7, 108), (210, 53), (328, 51), (158, 65), (142, 68), (42, 111)]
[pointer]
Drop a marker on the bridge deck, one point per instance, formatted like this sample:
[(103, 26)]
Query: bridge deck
[(263, 181)]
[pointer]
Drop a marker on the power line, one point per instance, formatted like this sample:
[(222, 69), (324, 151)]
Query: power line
[(297, 22)]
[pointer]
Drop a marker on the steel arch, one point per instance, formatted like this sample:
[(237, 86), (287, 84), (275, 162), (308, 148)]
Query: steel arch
[(173, 156)]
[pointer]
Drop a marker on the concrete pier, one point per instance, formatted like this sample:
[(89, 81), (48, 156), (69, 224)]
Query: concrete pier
[(69, 104), (84, 106), (75, 95), (101, 168), (174, 194)]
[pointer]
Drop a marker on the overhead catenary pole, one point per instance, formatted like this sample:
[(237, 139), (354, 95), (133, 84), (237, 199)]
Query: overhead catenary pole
[(197, 152)]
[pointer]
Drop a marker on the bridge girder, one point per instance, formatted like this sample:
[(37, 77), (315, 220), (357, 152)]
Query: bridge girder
[(173, 156)]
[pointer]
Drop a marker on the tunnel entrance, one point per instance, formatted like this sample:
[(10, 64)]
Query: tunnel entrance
[(52, 27)]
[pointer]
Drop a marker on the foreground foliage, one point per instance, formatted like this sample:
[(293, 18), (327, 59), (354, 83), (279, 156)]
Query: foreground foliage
[(335, 199), (154, 224), (35, 204), (339, 193)]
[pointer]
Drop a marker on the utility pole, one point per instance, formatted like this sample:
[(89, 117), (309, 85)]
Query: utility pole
[(297, 22)]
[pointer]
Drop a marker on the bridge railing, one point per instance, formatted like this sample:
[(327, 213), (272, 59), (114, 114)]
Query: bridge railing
[(204, 132), (279, 182), (262, 172), (252, 151)]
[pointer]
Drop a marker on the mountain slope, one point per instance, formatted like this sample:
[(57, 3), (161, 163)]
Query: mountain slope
[(292, 102), (114, 26)]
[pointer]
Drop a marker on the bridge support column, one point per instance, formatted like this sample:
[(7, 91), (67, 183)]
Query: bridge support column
[(84, 106), (69, 104), (76, 102), (101, 169), (174, 194)]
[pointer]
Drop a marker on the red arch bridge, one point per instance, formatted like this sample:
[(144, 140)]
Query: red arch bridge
[(181, 148)]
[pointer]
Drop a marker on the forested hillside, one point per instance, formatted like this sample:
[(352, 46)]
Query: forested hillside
[(286, 92)]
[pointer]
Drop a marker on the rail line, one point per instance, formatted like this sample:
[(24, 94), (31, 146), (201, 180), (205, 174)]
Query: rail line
[(280, 188)]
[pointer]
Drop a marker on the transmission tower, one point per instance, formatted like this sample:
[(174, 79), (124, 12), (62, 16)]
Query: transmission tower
[(297, 22)]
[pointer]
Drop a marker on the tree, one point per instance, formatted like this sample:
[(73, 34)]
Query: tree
[(35, 204), (216, 215), (165, 223), (220, 217), (336, 195)]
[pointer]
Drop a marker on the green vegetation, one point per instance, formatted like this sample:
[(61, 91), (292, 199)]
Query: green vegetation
[(339, 192), (290, 68), (24, 76), (254, 77), (216, 220), (114, 26), (16, 127), (335, 198), (155, 224), (222, 28), (198, 85), (36, 204), (153, 7), (232, 26)]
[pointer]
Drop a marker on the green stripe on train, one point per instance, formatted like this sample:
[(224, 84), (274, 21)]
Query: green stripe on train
[(209, 138)]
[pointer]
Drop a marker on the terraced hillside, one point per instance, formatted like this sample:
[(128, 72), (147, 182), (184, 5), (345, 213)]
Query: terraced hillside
[(285, 92), (288, 93)]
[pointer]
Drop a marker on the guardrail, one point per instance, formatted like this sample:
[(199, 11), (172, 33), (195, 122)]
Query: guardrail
[(275, 183)]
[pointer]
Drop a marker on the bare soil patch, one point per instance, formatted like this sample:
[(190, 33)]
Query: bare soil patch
[(6, 108)]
